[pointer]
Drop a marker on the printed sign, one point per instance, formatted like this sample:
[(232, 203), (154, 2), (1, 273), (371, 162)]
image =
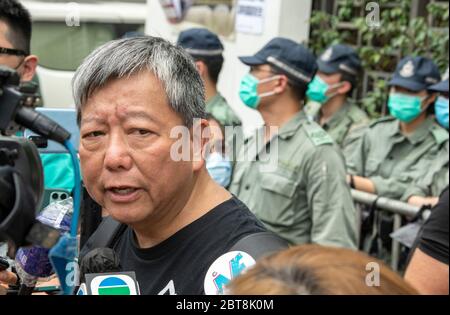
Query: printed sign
[(250, 16)]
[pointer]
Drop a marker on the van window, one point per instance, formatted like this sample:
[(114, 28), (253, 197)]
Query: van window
[(60, 47)]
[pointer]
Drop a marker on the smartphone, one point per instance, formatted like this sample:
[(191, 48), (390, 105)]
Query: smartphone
[(67, 118), (54, 195)]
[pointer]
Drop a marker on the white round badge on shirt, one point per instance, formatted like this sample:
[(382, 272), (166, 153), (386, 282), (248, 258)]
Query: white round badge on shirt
[(224, 269)]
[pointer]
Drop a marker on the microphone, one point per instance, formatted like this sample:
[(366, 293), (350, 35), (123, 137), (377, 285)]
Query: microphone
[(99, 260), (14, 108), (41, 124), (33, 262), (101, 274)]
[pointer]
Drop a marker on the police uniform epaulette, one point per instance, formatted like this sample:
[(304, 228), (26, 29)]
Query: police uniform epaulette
[(381, 120), (317, 135), (356, 114), (439, 134)]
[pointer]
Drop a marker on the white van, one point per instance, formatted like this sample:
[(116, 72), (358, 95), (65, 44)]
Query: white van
[(65, 32)]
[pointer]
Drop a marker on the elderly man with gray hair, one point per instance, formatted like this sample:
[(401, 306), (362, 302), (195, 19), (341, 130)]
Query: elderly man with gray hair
[(181, 231)]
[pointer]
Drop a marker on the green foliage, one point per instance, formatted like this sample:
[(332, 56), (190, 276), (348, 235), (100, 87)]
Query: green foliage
[(382, 48), (323, 31), (373, 101)]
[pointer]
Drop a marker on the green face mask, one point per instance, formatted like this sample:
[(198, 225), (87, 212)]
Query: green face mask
[(317, 90), (248, 90), (404, 107)]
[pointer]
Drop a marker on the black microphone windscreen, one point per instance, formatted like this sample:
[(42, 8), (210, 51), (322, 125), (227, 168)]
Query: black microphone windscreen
[(99, 260)]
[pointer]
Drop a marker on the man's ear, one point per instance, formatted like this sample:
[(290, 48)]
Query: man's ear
[(345, 88), (281, 84), (29, 68), (201, 68), (201, 135)]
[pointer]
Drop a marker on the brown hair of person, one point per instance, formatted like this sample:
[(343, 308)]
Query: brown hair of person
[(317, 270)]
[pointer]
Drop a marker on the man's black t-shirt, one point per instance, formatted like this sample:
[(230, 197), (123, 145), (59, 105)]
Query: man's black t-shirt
[(435, 233), (179, 264)]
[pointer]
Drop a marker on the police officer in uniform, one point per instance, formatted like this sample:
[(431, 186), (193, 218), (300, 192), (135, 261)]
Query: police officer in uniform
[(290, 173), (432, 182), (207, 50), (395, 149), (339, 70)]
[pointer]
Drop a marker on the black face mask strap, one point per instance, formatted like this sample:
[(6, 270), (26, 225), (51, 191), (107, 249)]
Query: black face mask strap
[(20, 64), (13, 52)]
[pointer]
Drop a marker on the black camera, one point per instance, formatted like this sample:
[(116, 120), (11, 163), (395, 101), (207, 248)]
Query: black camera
[(21, 174)]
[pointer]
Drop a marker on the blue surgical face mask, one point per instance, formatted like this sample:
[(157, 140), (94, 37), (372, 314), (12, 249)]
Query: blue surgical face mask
[(219, 168), (441, 109), (248, 90), (405, 107)]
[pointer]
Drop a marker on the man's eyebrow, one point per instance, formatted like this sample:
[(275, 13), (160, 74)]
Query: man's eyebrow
[(139, 115), (128, 115), (93, 119)]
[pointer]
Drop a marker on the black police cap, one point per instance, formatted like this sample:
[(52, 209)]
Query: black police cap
[(201, 42), (415, 74), (340, 59), (290, 58)]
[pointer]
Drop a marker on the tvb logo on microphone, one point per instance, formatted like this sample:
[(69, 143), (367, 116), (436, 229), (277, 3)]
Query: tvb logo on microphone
[(123, 283)]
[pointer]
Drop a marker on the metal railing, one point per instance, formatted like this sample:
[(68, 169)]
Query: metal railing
[(398, 208)]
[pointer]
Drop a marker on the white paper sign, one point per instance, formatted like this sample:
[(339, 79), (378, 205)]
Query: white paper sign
[(250, 16)]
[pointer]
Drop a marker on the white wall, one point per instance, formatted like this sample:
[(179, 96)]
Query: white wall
[(287, 18)]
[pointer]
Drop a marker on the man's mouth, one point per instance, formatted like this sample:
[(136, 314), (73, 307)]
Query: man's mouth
[(123, 191), (123, 194)]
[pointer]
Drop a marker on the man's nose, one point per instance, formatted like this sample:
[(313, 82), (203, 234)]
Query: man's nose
[(117, 156)]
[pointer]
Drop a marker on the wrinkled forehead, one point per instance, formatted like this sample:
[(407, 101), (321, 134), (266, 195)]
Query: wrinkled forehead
[(117, 113), (140, 96)]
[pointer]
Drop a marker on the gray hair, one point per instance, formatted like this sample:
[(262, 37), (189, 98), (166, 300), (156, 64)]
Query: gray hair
[(125, 57)]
